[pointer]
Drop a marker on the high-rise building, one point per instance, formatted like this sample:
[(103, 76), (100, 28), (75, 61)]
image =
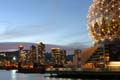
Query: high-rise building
[(63, 57), (58, 57), (41, 53), (77, 58), (55, 56), (32, 54), (21, 53)]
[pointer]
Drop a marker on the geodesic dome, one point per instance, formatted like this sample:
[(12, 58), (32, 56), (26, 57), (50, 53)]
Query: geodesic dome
[(104, 20)]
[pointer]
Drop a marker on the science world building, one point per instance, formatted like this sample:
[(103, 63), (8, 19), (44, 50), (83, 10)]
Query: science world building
[(104, 28)]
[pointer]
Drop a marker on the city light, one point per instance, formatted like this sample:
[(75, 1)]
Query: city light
[(114, 64), (14, 58)]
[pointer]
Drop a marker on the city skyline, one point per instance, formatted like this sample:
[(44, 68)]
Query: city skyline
[(60, 22)]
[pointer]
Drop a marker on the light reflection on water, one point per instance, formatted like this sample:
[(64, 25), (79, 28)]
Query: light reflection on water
[(12, 75)]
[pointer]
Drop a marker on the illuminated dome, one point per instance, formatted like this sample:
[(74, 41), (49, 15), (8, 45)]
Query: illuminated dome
[(104, 20)]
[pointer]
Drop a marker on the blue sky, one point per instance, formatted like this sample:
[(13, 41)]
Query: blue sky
[(59, 22)]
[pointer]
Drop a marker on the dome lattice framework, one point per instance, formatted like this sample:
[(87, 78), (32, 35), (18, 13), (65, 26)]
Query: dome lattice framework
[(104, 20)]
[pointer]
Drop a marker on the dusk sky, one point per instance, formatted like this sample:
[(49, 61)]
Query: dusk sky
[(59, 22)]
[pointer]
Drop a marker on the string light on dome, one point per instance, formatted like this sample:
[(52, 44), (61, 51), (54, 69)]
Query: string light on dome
[(103, 19)]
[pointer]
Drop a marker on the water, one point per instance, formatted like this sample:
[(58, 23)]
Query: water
[(12, 75)]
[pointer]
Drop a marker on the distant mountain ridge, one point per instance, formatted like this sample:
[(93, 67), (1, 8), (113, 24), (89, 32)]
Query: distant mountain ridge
[(13, 46)]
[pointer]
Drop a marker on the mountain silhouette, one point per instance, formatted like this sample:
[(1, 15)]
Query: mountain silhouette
[(13, 46)]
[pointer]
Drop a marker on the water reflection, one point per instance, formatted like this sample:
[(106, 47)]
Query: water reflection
[(12, 75)]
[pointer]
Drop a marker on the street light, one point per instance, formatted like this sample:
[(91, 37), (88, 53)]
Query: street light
[(14, 58)]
